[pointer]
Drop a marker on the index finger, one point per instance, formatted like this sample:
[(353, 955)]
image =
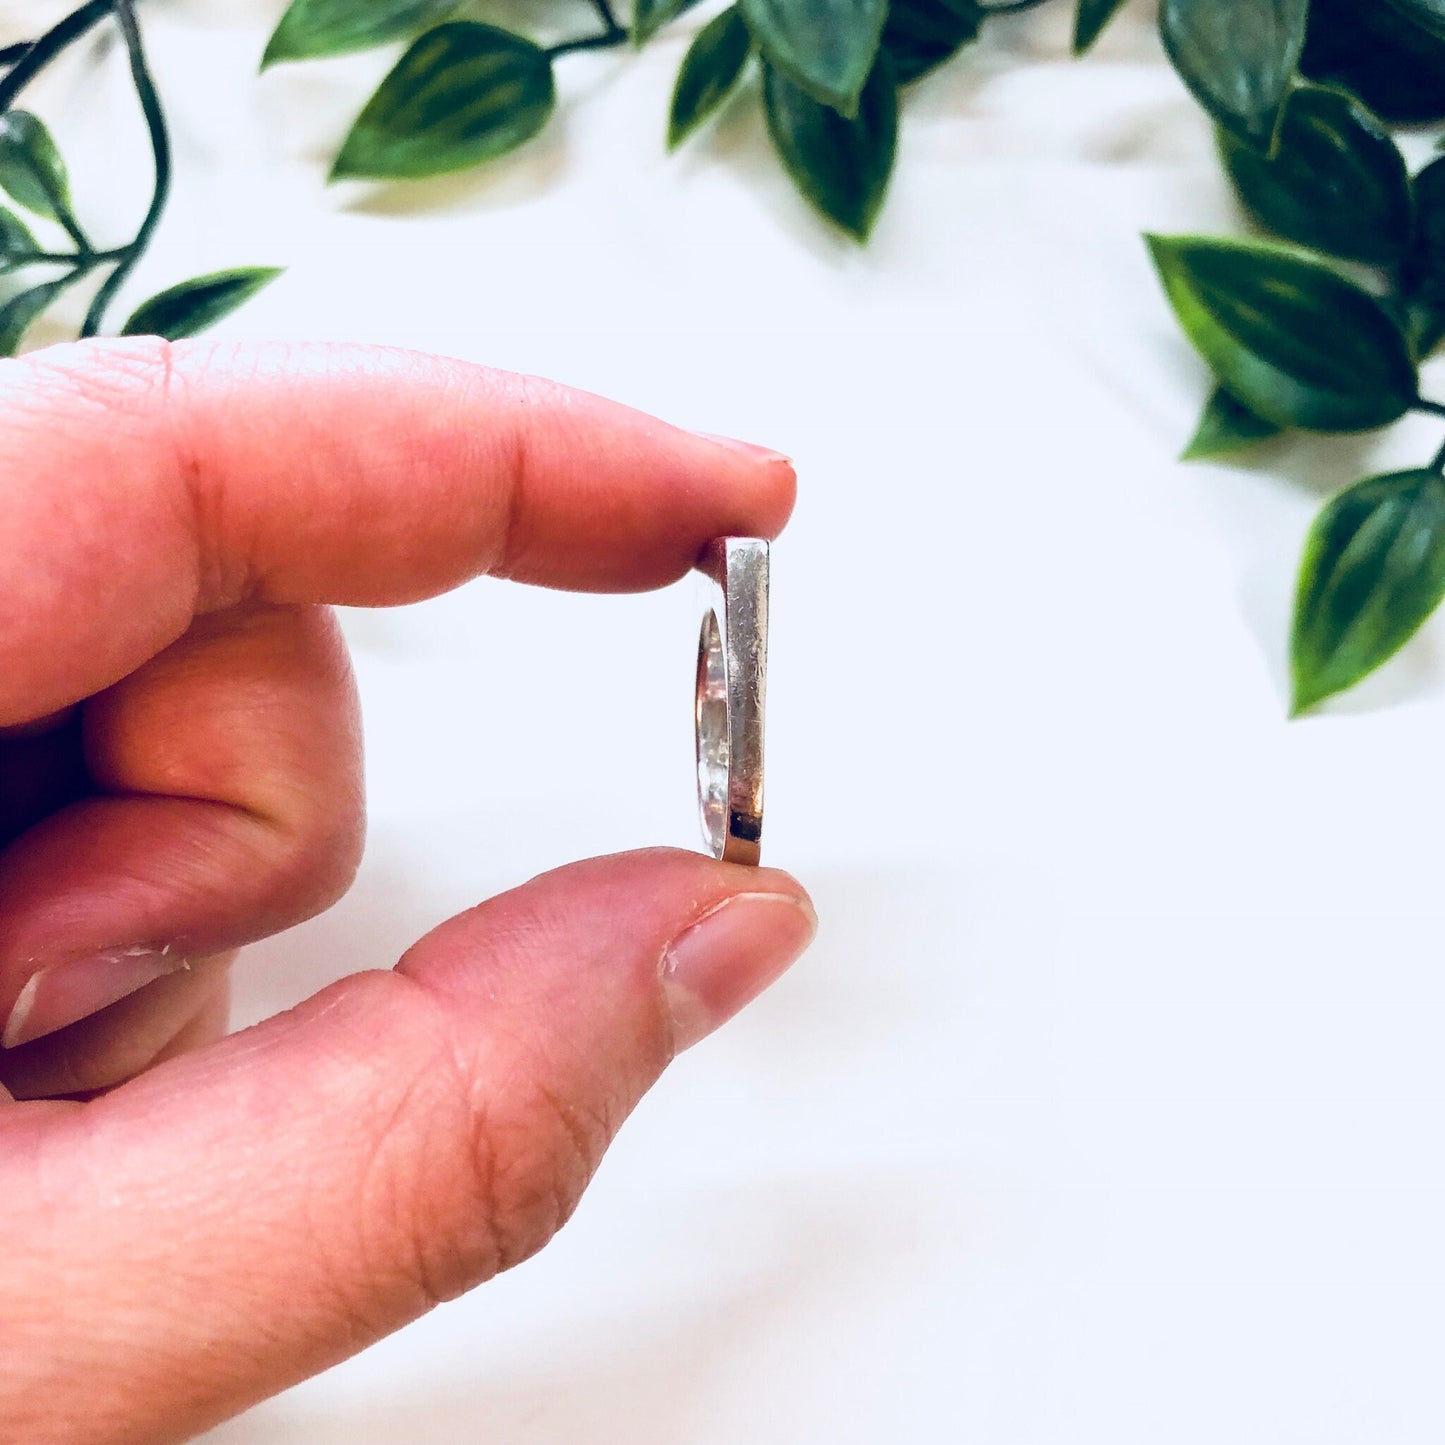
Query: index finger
[(150, 482)]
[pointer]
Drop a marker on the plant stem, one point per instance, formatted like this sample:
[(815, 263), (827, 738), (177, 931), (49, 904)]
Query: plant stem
[(604, 9), (590, 42), (84, 259), (1435, 408), (37, 55), (161, 150)]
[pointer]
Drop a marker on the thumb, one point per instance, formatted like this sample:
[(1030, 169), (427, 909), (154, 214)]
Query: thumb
[(243, 1217)]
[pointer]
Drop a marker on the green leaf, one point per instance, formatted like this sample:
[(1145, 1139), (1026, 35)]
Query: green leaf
[(191, 306), (710, 70), (649, 16), (1373, 571), (1423, 281), (1428, 15), (1337, 181), (1372, 49), (825, 47), (1227, 426), (1290, 338), (16, 242), (462, 93), (1090, 19), (841, 165), (921, 34), (17, 314), (313, 28), (1237, 58), (31, 169)]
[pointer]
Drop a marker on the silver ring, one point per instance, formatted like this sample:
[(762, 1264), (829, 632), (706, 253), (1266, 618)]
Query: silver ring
[(732, 676)]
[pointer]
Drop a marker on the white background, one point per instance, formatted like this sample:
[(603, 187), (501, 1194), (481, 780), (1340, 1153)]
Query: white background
[(1108, 1105)]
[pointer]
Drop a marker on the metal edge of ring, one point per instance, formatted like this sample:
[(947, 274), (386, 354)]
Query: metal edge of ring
[(744, 565)]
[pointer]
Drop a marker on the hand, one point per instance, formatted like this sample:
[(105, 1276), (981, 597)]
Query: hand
[(194, 1222)]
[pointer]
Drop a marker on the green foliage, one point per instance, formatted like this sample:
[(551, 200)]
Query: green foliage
[(841, 164), (462, 93), (1237, 59), (1337, 181), (1373, 571), (649, 16), (16, 242), (1227, 426), (192, 306), (313, 28), (826, 48), (920, 35), (1289, 337), (712, 67), (1396, 66), (1424, 275), (17, 314), (1090, 20), (31, 169)]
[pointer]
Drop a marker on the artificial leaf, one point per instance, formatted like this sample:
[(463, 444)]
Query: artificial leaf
[(31, 169), (840, 164), (17, 314), (313, 28), (462, 93), (921, 34), (1372, 49), (1227, 426), (1237, 58), (1373, 571), (16, 242), (1288, 336), (1090, 19), (1428, 15), (649, 16), (1337, 181), (825, 47), (1423, 280), (189, 307), (710, 69)]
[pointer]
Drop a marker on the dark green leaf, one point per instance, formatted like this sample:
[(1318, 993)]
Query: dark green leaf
[(1337, 181), (1395, 66), (921, 34), (1237, 58), (313, 28), (649, 16), (16, 242), (1290, 338), (31, 169), (709, 71), (461, 94), (1090, 19), (17, 314), (1373, 571), (1227, 426), (842, 166), (191, 306), (825, 47), (1427, 15), (1424, 274)]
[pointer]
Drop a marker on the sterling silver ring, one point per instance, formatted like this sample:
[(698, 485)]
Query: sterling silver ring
[(732, 675)]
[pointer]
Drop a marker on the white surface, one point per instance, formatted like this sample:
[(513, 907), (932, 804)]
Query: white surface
[(1107, 1106)]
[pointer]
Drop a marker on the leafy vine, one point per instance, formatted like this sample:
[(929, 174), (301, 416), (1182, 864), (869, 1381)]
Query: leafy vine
[(1322, 326)]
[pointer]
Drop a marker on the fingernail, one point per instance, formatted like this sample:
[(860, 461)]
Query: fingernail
[(747, 449), (728, 957), (61, 995)]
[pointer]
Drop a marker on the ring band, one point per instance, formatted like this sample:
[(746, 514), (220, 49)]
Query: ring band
[(732, 673)]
